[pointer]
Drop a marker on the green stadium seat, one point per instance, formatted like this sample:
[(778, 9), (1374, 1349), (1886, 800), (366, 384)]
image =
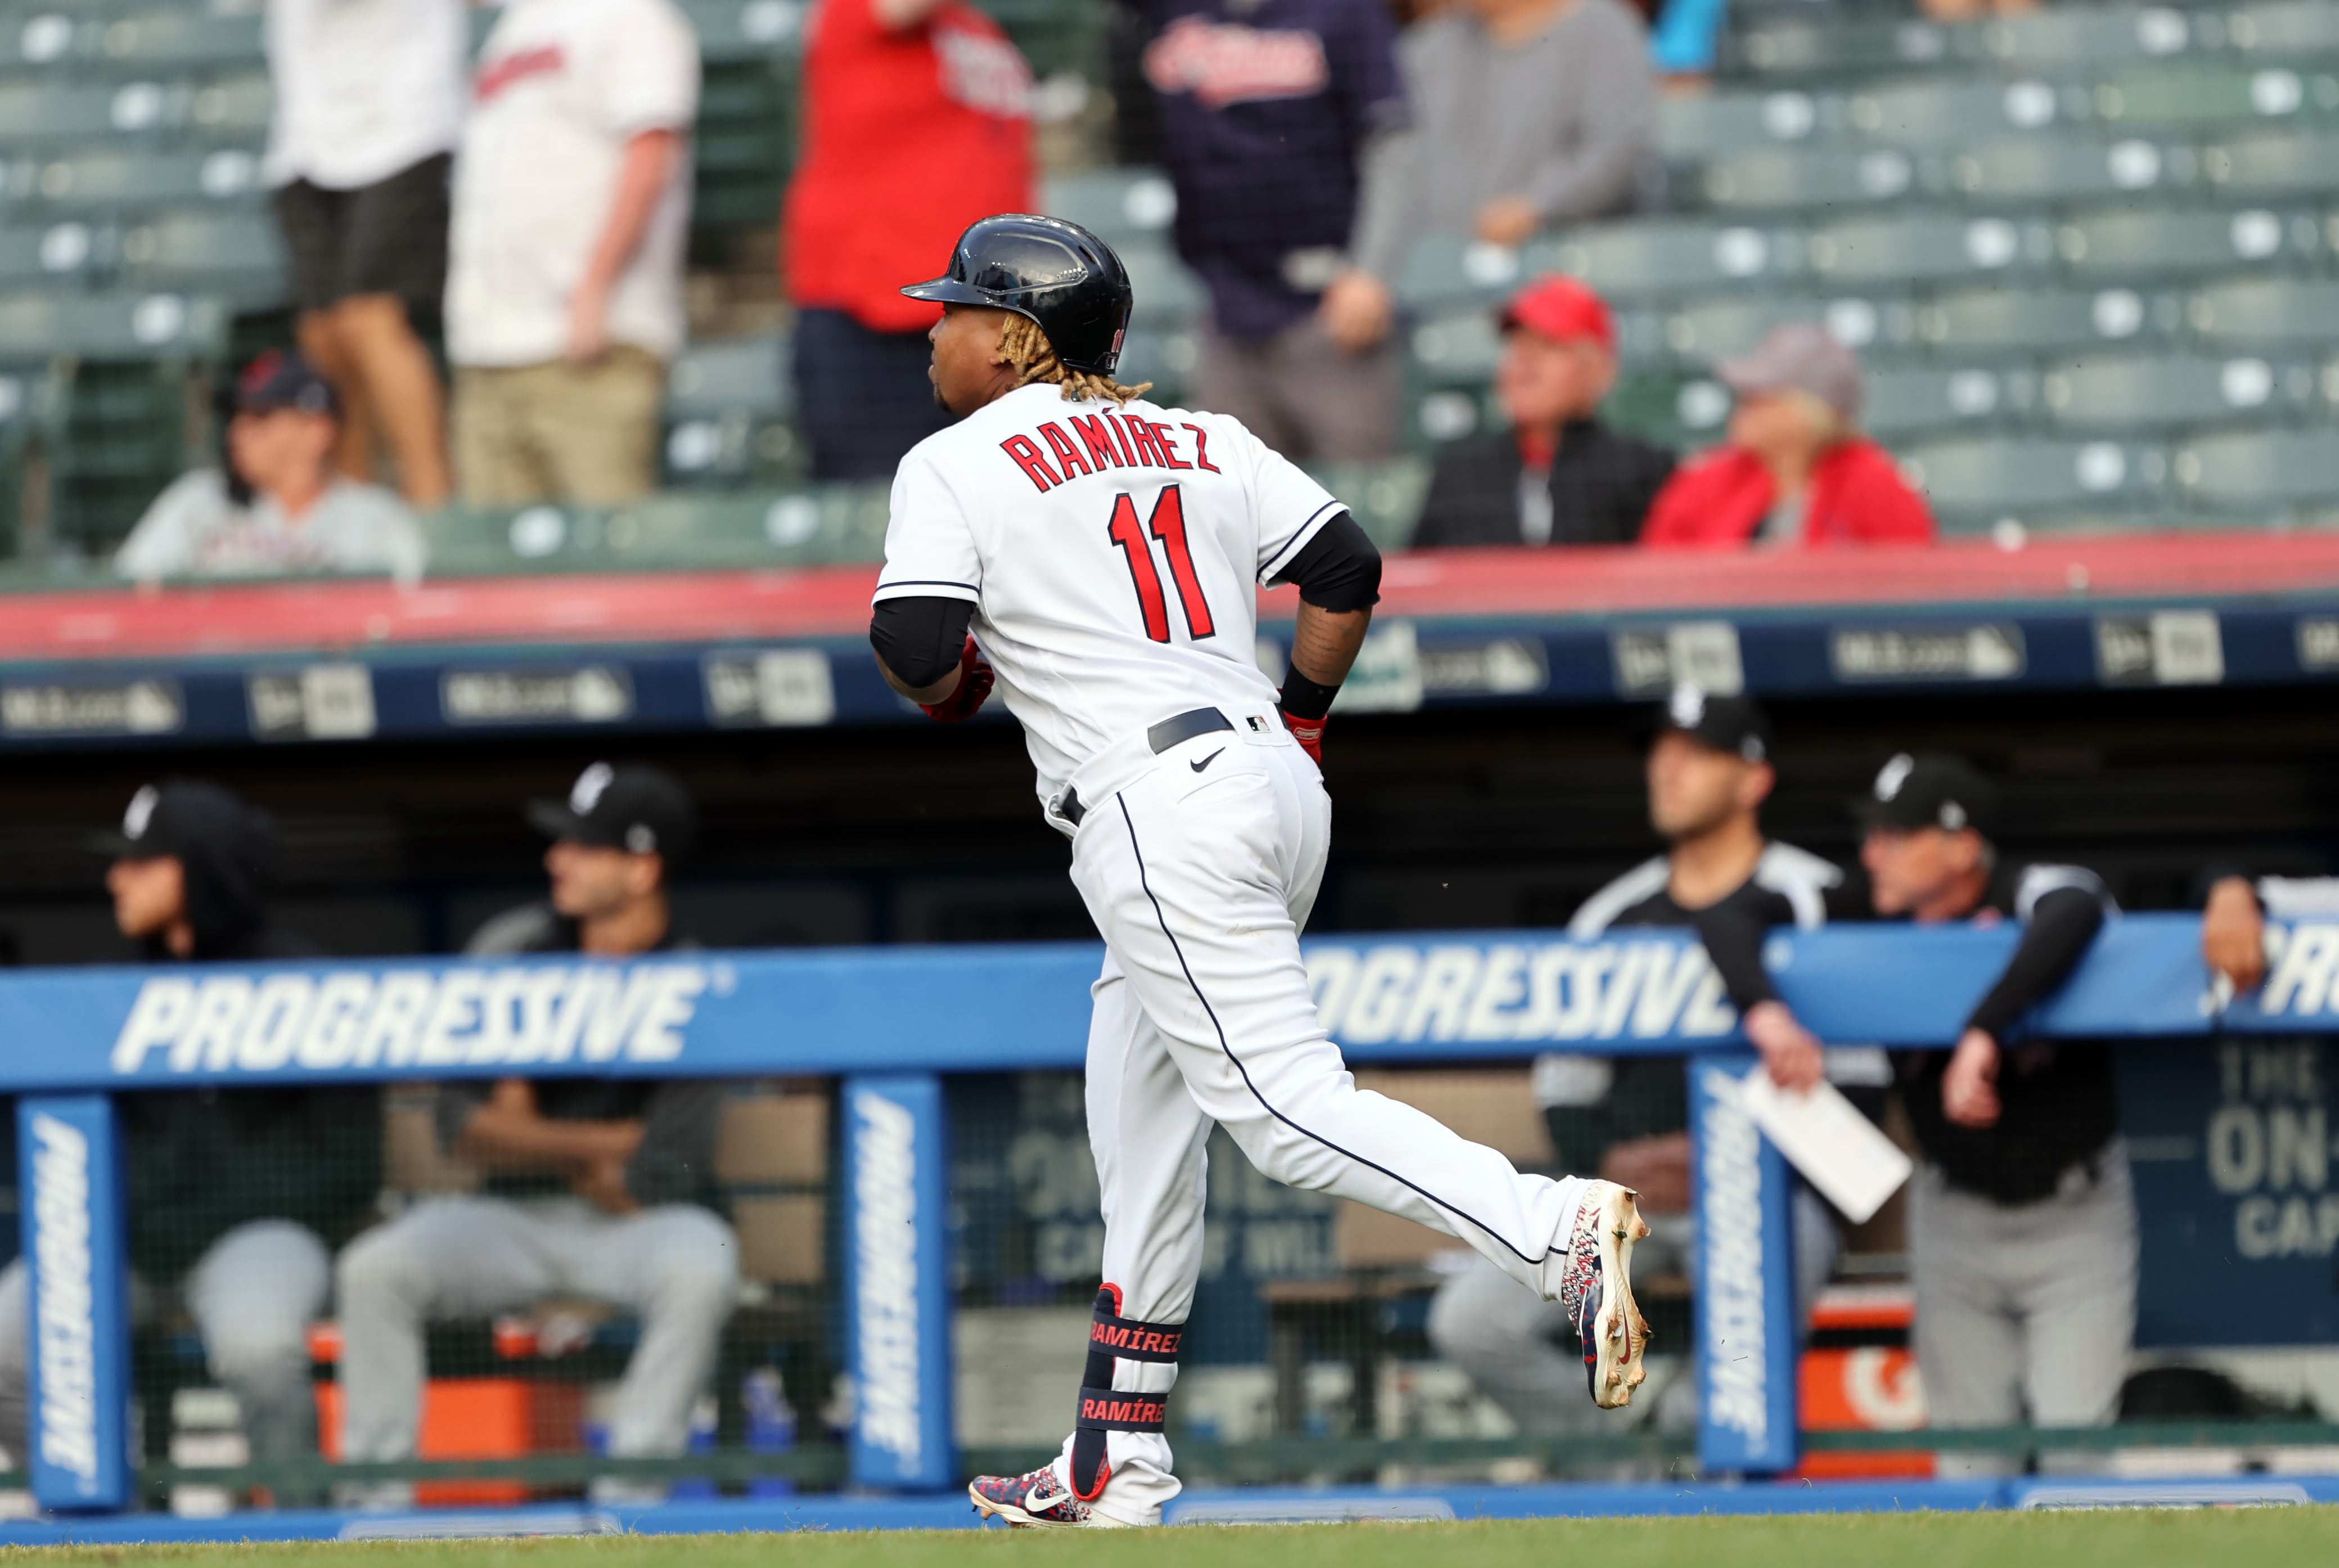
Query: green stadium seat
[(47, 40), (727, 408), (2273, 166), (2069, 169), (1776, 179), (1167, 294), (2161, 97), (38, 113), (1117, 203), (1456, 349), (1714, 327), (732, 29), (1165, 358), (2285, 27), (2086, 36), (1915, 401), (50, 253), (2134, 242), (2267, 313), (2140, 392), (109, 327), (238, 256), (1435, 417), (1660, 256), (1443, 269), (1683, 409), (117, 178), (1839, 47), (234, 108), (2261, 471), (1988, 478), (1712, 124), (180, 39), (1384, 497), (1922, 248), (1950, 115), (2013, 321)]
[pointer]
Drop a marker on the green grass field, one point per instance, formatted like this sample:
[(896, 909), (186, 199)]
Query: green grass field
[(2240, 1538)]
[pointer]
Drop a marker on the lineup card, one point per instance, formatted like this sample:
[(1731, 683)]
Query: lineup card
[(1839, 1152)]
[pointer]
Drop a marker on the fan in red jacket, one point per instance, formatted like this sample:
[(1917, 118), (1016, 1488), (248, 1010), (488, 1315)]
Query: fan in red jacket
[(1795, 471)]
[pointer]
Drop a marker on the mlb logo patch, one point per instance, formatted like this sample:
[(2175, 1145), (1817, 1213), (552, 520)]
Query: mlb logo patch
[(1257, 724)]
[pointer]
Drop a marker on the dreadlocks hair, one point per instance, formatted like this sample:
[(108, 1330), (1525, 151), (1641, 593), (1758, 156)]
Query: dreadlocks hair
[(1023, 345)]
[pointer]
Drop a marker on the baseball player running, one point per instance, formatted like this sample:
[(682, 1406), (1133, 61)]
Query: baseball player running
[(1105, 552)]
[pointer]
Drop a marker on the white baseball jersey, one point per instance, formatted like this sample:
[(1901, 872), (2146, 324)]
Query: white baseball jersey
[(1111, 554)]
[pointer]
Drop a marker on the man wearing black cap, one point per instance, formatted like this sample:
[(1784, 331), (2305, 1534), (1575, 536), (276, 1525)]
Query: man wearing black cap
[(596, 1187), (234, 1197), (280, 506), (2023, 1224), (1708, 772)]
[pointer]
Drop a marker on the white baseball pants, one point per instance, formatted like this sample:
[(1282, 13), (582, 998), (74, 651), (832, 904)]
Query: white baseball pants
[(1199, 867)]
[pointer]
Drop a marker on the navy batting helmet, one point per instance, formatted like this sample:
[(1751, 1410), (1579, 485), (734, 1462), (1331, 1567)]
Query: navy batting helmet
[(1060, 275)]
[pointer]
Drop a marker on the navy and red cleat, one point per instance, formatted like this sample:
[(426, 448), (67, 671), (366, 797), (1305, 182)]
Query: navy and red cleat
[(1596, 1292), (1037, 1500)]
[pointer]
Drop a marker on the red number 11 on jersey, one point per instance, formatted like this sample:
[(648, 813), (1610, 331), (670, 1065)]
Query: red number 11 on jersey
[(1167, 524)]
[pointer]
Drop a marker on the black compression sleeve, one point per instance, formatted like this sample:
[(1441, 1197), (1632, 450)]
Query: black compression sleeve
[(1734, 933), (920, 639), (1338, 570), (2061, 926)]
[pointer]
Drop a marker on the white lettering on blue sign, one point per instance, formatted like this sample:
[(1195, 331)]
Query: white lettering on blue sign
[(66, 1300), (465, 1016), (2306, 961), (885, 1259), (1729, 1166), (1519, 991)]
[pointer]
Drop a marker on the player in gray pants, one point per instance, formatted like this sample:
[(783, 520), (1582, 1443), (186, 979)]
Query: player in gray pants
[(596, 1187)]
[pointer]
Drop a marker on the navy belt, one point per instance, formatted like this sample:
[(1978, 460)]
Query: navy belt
[(1176, 730)]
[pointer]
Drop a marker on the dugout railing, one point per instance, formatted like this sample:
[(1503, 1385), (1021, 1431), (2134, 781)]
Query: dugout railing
[(903, 1040)]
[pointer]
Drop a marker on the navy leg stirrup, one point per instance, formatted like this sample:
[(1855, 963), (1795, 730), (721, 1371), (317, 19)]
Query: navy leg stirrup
[(1102, 1409)]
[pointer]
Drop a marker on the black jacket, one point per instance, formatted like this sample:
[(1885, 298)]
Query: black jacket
[(1600, 487)]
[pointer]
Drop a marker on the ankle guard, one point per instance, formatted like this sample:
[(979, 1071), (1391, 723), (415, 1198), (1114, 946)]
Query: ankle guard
[(1102, 1409)]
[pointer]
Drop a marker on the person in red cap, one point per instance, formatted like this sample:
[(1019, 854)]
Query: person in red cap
[(1557, 475), (1795, 469)]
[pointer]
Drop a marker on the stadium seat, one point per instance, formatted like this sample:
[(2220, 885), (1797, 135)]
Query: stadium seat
[(727, 408), (1657, 257), (1918, 400), (2256, 472), (2070, 167), (1713, 124), (1778, 178), (1384, 497), (1949, 114), (40, 114), (2161, 97), (1922, 248), (2142, 392), (2272, 165), (2043, 320), (1985, 480), (238, 256), (1168, 295), (1681, 409), (2129, 243), (180, 38), (47, 40), (2084, 35), (1117, 203), (1165, 358), (115, 178), (1443, 269), (2269, 313), (1458, 348), (1840, 45), (732, 29), (235, 108), (2285, 27), (109, 327), (1709, 329), (50, 253)]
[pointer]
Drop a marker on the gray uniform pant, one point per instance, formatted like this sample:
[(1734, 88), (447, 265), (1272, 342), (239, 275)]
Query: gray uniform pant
[(2029, 1311), (1302, 393), (1507, 1339), (676, 1268), (252, 1295)]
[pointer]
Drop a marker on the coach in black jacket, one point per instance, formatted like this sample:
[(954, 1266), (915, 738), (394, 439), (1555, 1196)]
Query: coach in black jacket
[(1557, 475)]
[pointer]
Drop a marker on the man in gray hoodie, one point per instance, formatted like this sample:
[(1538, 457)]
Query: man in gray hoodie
[(1526, 114)]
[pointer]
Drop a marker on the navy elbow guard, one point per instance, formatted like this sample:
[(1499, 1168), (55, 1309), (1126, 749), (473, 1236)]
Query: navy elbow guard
[(1104, 1409)]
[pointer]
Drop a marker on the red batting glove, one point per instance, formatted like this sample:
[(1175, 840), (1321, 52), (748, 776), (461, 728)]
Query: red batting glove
[(974, 680), (1308, 733)]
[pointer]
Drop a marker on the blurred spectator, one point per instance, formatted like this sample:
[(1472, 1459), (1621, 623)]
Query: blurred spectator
[(234, 1199), (1627, 1118), (2022, 1223), (1526, 114), (280, 505), (917, 122), (596, 1187), (1557, 475), (368, 109), (1795, 471), (564, 292), (1267, 107)]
